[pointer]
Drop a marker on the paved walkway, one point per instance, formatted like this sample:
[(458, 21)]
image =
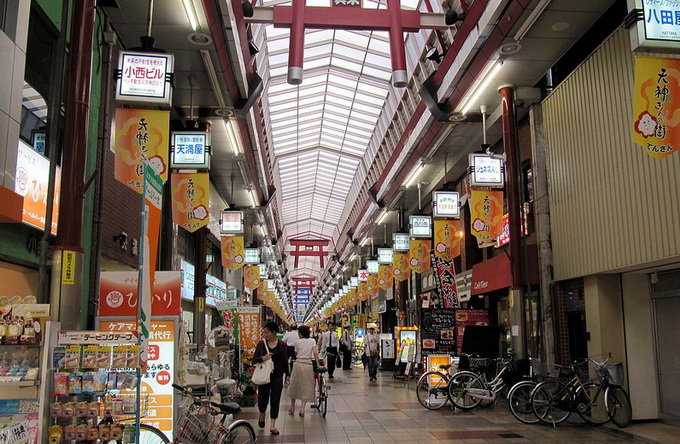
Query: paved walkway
[(388, 412)]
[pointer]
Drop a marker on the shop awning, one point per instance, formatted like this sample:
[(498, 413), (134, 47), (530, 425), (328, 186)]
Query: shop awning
[(492, 274)]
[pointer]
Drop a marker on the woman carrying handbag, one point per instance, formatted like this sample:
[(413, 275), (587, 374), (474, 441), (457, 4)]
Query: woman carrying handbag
[(273, 350)]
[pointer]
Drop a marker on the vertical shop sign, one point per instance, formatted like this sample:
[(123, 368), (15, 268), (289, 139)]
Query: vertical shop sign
[(251, 277), (230, 320), (486, 215), (233, 254), (118, 293), (190, 200), (68, 268), (157, 390), (249, 331), (445, 277), (400, 267), (447, 238), (30, 181), (656, 105), (419, 255), (385, 276), (141, 138)]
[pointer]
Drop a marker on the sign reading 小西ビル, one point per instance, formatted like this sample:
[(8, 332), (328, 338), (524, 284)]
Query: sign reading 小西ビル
[(145, 77)]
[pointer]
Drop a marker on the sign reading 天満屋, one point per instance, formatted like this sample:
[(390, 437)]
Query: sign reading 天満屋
[(190, 149), (656, 105)]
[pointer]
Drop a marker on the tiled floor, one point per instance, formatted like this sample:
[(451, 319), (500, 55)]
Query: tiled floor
[(388, 412)]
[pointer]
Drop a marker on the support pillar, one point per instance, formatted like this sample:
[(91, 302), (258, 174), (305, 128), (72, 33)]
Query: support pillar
[(200, 286), (513, 190), (296, 50), (397, 49), (66, 292)]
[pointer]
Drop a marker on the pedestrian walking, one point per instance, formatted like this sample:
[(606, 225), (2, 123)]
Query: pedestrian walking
[(290, 338), (372, 351), (329, 347), (302, 379), (346, 348), (270, 347)]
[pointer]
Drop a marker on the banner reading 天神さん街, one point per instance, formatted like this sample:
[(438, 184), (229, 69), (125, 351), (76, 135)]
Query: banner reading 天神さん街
[(486, 215), (190, 200), (251, 277), (656, 105), (447, 238), (419, 255), (385, 276), (400, 266), (233, 253), (141, 136)]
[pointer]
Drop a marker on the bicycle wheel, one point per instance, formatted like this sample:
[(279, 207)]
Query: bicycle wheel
[(322, 403), (519, 402), (550, 401), (590, 403), (432, 390), (618, 406), (458, 390), (239, 432)]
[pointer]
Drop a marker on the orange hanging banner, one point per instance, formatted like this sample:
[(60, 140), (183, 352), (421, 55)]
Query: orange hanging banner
[(372, 288), (251, 277), (385, 276), (363, 291), (190, 200), (486, 215), (141, 136), (656, 105), (447, 238), (400, 267), (232, 252), (419, 255)]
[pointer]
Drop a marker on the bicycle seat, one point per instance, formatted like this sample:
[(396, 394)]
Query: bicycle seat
[(320, 370), (228, 408), (445, 366)]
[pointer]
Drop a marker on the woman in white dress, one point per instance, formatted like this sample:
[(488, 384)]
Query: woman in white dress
[(302, 380)]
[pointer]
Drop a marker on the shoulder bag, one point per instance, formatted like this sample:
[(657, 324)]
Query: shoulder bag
[(263, 370)]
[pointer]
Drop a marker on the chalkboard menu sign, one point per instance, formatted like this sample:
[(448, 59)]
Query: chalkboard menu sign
[(438, 330)]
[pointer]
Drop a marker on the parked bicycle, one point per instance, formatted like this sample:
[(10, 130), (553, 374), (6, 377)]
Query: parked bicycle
[(597, 402), (468, 389), (432, 389)]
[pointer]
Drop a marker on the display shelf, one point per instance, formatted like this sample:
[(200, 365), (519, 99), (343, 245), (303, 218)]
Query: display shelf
[(19, 383), (21, 345)]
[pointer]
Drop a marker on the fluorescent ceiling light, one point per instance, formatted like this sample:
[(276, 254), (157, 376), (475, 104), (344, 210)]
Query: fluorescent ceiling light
[(477, 90), (364, 242), (382, 217), (232, 135), (414, 175), (191, 13), (253, 200)]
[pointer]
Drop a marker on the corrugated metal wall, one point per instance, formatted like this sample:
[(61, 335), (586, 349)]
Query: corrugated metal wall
[(611, 204)]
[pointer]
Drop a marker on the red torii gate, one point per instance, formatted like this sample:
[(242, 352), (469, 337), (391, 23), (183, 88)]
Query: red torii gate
[(345, 14), (309, 250)]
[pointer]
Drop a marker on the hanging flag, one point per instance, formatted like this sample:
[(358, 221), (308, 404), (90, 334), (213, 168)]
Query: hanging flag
[(447, 238), (151, 227), (400, 267), (363, 291), (251, 277), (190, 200), (445, 279), (656, 105), (140, 138), (373, 287), (486, 215), (385, 276), (232, 252), (419, 255)]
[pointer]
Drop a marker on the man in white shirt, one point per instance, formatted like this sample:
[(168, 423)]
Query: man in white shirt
[(372, 352), (329, 344), (290, 338)]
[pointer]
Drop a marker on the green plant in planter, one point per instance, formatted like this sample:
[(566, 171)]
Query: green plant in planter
[(249, 394)]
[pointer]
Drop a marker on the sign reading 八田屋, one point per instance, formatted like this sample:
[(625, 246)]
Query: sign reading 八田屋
[(145, 77)]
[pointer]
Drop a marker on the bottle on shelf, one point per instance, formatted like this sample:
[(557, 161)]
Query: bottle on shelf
[(28, 336), (3, 330)]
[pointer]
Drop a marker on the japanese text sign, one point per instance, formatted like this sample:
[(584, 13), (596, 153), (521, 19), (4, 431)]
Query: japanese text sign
[(419, 255), (400, 267), (362, 274), (445, 204), (445, 277), (145, 77), (252, 255), (30, 181), (401, 241), (656, 105), (249, 331), (662, 20), (190, 200), (385, 256), (421, 226), (486, 171), (118, 292), (447, 235), (486, 215), (232, 252), (372, 267), (190, 150), (231, 222), (385, 277), (141, 138)]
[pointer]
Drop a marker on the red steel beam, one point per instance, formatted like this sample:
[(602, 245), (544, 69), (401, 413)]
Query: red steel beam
[(309, 242), (314, 253), (319, 17)]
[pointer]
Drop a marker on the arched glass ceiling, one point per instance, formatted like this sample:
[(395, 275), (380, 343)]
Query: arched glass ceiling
[(319, 131)]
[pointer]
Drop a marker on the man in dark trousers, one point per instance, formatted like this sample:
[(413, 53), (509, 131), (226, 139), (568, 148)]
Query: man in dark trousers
[(346, 348), (329, 344)]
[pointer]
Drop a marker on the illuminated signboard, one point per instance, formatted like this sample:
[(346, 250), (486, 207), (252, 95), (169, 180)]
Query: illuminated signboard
[(420, 226), (263, 270), (372, 267), (252, 255), (385, 256), (445, 204), (658, 24), (144, 77), (231, 222), (362, 275), (353, 282), (486, 171), (401, 241), (190, 150)]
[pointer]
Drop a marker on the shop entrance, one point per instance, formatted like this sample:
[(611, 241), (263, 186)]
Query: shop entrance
[(666, 300)]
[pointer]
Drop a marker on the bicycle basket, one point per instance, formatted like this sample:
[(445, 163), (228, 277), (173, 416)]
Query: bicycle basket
[(615, 373), (194, 426)]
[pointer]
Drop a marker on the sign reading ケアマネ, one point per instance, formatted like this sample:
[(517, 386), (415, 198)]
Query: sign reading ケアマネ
[(656, 105)]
